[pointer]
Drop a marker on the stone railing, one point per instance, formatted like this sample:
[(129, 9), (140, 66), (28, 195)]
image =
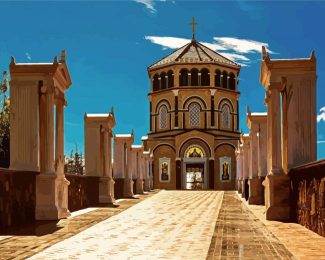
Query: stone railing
[(17, 198), (308, 196), (83, 191)]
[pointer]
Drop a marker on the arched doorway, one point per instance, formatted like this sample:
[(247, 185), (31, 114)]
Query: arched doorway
[(194, 168)]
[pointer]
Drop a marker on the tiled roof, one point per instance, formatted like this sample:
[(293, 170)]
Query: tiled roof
[(193, 52)]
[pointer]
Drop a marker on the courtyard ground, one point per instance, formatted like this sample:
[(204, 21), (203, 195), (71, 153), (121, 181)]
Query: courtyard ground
[(166, 225)]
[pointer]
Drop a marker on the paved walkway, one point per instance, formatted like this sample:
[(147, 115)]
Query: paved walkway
[(240, 235), (166, 225), (169, 225), (300, 241), (30, 240)]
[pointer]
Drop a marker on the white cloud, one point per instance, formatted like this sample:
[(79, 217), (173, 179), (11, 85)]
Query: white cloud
[(241, 45), (231, 48), (234, 56), (150, 5), (320, 142), (28, 56), (321, 116), (168, 42)]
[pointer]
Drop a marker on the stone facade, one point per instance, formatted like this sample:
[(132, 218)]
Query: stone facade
[(294, 83), (193, 105), (98, 152), (122, 164), (35, 88), (256, 122), (285, 136)]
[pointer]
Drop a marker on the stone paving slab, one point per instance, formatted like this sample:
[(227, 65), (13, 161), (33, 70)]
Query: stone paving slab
[(32, 239), (300, 241), (239, 234), (169, 225)]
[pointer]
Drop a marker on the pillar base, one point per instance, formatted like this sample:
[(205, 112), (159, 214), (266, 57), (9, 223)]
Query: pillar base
[(106, 190), (139, 186), (128, 188), (277, 197), (245, 189), (51, 197), (256, 191), (151, 184), (146, 185), (240, 186)]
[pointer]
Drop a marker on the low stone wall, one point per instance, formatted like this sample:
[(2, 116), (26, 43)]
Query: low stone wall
[(17, 198), (118, 188), (83, 191), (308, 196)]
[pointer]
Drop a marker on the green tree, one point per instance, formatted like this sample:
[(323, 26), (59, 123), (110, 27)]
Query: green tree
[(78, 163), (74, 164), (4, 122)]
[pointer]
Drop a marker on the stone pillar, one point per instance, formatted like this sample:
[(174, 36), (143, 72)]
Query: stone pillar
[(239, 171), (138, 167), (277, 185), (146, 155), (246, 146), (151, 171), (211, 74), (51, 185), (256, 190), (123, 164), (63, 183), (98, 157), (34, 90), (106, 182)]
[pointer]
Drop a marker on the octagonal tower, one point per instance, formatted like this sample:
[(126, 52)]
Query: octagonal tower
[(194, 121)]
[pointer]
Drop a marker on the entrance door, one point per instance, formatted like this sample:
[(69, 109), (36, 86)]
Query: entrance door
[(194, 176)]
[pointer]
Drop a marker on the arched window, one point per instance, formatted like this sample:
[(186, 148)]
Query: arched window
[(217, 77), (225, 117), (155, 82), (205, 77), (194, 111), (194, 77), (183, 77), (170, 76), (224, 79), (163, 117), (163, 81), (232, 84)]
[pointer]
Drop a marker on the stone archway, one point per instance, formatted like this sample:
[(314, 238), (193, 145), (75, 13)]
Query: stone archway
[(195, 168)]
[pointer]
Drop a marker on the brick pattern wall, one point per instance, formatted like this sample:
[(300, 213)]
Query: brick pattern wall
[(308, 196), (17, 198), (118, 188), (83, 191)]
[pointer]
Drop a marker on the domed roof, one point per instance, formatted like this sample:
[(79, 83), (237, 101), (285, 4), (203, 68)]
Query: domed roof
[(193, 52)]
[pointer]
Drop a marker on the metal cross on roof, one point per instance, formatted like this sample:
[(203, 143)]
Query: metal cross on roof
[(193, 24)]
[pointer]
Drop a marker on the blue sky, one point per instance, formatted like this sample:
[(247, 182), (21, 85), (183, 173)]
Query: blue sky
[(110, 44)]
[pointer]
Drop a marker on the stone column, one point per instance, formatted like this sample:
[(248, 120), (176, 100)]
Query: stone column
[(140, 180), (63, 183), (256, 190), (51, 186), (106, 182), (277, 185), (146, 155), (246, 146), (151, 171), (59, 140), (128, 181), (211, 74), (239, 168)]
